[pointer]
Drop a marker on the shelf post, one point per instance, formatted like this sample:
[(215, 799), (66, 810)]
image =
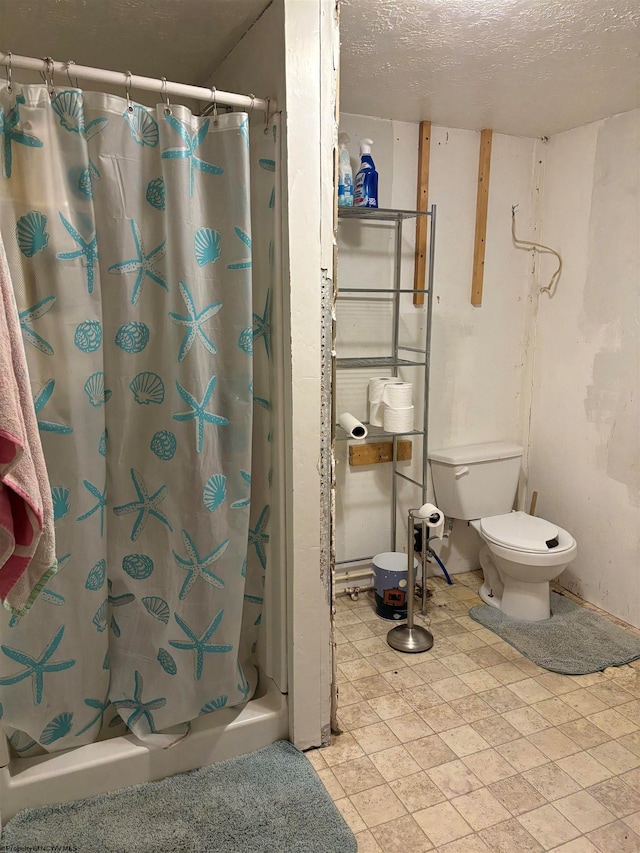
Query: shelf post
[(427, 358), (396, 340)]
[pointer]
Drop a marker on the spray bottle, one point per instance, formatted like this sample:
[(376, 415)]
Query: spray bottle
[(366, 185), (345, 173)]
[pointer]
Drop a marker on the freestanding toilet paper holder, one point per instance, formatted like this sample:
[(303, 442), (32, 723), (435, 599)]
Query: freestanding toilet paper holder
[(409, 637)]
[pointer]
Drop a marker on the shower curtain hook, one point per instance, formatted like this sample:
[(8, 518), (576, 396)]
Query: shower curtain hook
[(48, 75), (9, 73), (127, 89), (215, 106), (167, 109), (266, 117), (253, 100), (67, 67)]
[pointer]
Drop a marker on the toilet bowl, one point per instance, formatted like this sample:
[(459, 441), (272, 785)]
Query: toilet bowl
[(520, 555)]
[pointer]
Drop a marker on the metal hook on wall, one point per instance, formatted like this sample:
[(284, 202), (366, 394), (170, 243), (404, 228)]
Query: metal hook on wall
[(127, 89), (165, 95), (67, 68)]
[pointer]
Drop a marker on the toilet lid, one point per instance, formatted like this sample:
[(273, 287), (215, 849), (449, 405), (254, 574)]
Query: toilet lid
[(521, 531)]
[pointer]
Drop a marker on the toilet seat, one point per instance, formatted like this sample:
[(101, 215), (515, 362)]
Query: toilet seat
[(525, 534)]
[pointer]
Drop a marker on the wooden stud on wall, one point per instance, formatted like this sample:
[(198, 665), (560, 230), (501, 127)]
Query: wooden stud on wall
[(482, 206), (422, 203)]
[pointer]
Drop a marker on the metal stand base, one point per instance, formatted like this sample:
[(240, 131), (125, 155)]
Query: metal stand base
[(406, 639)]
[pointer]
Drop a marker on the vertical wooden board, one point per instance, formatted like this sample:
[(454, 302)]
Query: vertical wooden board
[(482, 206), (422, 203)]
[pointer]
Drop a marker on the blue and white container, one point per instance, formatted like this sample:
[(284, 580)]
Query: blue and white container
[(391, 590), (345, 173), (366, 184)]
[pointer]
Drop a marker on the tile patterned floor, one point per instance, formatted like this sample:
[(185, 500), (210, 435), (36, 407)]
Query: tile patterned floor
[(472, 748)]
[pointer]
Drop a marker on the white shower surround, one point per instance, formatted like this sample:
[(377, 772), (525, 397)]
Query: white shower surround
[(122, 761)]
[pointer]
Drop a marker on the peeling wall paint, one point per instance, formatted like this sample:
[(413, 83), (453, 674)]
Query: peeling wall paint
[(585, 418), (611, 303)]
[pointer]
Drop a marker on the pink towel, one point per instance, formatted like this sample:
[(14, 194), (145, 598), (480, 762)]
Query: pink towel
[(27, 540)]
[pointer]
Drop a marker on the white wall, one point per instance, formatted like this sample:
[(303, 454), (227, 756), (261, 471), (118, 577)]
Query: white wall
[(477, 353), (585, 419)]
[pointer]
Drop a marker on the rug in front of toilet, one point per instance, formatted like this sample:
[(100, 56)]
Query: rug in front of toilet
[(574, 641)]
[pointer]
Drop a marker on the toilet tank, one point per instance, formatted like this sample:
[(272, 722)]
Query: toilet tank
[(477, 480)]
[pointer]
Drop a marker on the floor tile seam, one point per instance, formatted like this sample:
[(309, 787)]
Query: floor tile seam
[(591, 789), (583, 831), (477, 791), (368, 825), (516, 772)]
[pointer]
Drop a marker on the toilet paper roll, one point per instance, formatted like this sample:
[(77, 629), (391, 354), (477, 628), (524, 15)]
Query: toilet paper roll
[(376, 414), (398, 420), (433, 519), (352, 425), (376, 387), (398, 395), (376, 406)]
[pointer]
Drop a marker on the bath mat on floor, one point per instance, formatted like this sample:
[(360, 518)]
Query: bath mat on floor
[(574, 641), (269, 800)]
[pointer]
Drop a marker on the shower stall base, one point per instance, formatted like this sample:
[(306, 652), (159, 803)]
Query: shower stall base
[(122, 761)]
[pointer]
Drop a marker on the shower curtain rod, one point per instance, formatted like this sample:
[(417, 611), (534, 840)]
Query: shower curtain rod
[(49, 67)]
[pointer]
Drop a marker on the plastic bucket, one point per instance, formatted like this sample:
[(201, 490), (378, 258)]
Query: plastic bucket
[(390, 569)]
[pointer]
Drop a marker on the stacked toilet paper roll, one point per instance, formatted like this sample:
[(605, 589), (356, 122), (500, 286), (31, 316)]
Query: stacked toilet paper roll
[(398, 407), (376, 405), (398, 420), (398, 395)]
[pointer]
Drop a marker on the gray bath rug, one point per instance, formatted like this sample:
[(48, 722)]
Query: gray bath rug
[(269, 800), (574, 641)]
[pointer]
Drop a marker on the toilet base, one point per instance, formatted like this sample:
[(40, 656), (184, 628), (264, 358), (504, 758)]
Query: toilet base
[(488, 597), (527, 601), (517, 599)]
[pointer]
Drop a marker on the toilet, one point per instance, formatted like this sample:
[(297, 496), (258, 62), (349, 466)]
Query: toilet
[(520, 553)]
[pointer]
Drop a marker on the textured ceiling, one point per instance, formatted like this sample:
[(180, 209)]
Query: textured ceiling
[(524, 67), (183, 40)]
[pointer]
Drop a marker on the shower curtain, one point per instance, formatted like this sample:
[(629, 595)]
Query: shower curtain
[(145, 314)]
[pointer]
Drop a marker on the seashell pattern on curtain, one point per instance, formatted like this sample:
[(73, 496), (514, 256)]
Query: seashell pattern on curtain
[(133, 240)]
